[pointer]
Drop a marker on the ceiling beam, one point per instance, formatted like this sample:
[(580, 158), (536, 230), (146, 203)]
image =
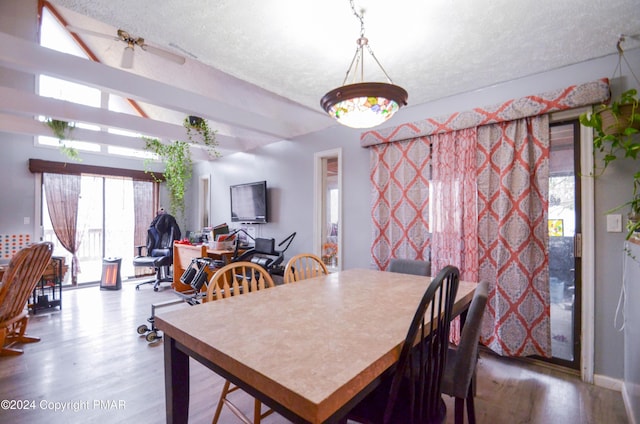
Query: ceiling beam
[(32, 127), (25, 103), (22, 55)]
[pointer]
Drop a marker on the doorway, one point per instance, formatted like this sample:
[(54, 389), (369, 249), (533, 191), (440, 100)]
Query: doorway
[(328, 208)]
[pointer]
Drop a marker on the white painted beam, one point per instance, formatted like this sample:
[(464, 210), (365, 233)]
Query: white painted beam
[(32, 127), (22, 55), (20, 102)]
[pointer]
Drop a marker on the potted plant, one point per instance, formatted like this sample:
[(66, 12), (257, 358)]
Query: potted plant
[(176, 157), (62, 130), (198, 132), (616, 126)]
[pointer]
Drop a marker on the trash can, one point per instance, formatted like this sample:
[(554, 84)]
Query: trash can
[(111, 274)]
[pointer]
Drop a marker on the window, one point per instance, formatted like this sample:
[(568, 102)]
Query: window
[(56, 37)]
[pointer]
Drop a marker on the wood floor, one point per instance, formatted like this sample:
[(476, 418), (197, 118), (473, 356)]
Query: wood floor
[(92, 363)]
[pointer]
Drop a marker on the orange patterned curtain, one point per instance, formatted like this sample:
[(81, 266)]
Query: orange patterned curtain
[(399, 176), (513, 237)]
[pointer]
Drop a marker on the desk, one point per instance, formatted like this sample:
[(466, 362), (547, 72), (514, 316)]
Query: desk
[(310, 349), (184, 253)]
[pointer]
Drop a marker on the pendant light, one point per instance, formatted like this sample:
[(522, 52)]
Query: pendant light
[(360, 104)]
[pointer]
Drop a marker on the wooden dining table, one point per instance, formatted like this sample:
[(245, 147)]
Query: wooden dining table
[(310, 350)]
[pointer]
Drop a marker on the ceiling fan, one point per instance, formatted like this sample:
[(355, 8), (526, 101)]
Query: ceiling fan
[(132, 42)]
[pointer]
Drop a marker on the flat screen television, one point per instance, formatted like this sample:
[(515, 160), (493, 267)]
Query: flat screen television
[(249, 202)]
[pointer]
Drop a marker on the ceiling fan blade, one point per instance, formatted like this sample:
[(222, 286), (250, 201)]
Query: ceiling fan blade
[(78, 30), (164, 53)]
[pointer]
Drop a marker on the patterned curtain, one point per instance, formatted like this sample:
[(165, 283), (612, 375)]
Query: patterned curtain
[(512, 192), (399, 177), (145, 206), (63, 193), (454, 239), (513, 180)]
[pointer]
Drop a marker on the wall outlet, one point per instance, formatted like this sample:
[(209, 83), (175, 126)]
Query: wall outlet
[(27, 220), (614, 223)]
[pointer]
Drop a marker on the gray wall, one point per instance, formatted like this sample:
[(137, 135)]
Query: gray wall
[(288, 168)]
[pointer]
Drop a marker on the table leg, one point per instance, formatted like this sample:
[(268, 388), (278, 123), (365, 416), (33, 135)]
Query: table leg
[(176, 382)]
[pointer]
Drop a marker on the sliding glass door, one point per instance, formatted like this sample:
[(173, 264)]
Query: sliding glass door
[(105, 227)]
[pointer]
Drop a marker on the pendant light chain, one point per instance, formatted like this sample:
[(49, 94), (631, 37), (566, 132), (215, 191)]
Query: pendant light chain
[(363, 42), (361, 104)]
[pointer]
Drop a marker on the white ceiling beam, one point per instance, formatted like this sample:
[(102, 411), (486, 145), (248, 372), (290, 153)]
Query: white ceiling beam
[(22, 55), (21, 102), (32, 127)]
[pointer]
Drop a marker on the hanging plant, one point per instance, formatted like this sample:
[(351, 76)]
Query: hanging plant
[(62, 130), (178, 168), (198, 132), (616, 127), (176, 156)]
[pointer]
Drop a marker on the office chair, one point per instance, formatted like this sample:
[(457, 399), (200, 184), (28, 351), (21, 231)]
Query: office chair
[(162, 232)]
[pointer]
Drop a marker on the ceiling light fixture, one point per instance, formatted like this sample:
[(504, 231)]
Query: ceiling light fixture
[(363, 104)]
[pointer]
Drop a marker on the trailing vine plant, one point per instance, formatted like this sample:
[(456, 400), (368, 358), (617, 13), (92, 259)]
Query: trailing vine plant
[(198, 132), (62, 130), (177, 172), (176, 156)]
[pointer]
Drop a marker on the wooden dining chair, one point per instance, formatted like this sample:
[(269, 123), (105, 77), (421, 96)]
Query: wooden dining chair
[(303, 266), (23, 273), (235, 279), (459, 375), (412, 395), (410, 266)]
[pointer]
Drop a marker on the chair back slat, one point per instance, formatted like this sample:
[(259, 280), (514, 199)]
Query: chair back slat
[(303, 266), (23, 273), (237, 278)]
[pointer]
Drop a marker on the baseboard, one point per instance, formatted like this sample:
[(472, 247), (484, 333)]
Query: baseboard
[(626, 398), (607, 382)]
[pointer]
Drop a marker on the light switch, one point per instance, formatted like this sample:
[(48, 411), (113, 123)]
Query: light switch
[(27, 220), (614, 223)]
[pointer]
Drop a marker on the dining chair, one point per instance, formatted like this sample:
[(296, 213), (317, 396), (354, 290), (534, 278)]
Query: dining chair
[(410, 266), (411, 394), (303, 266), (235, 279), (18, 282), (459, 375)]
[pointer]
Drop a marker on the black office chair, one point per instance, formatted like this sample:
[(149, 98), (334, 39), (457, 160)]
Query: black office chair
[(161, 234), (411, 394)]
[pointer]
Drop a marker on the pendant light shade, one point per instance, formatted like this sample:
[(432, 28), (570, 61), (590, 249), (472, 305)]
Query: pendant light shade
[(362, 104)]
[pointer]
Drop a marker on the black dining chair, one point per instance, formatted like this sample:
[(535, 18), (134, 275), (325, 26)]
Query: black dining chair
[(411, 394), (410, 266), (459, 375)]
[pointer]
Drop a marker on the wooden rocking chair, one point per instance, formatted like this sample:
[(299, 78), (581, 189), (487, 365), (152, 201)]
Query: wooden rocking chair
[(23, 273)]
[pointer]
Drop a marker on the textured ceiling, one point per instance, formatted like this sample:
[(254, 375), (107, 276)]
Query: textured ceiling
[(301, 49), (258, 69)]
